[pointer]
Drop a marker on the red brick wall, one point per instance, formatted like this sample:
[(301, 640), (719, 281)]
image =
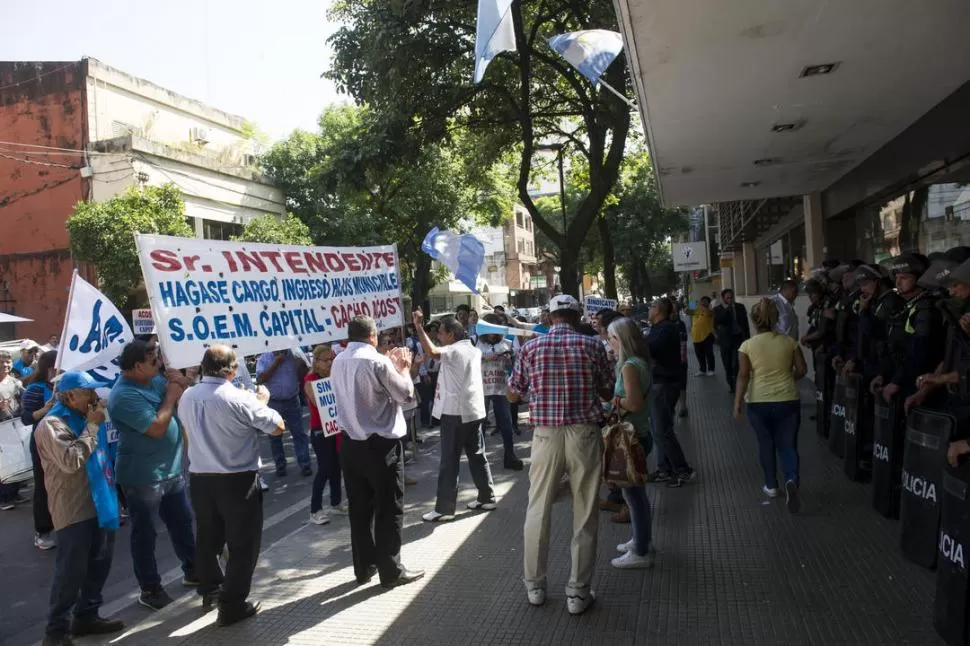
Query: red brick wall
[(42, 104)]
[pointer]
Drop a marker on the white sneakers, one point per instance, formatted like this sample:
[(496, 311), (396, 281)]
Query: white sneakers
[(44, 542), (630, 560), (700, 373), (319, 518), (578, 605), (710, 373), (771, 493), (484, 506), (623, 548), (435, 517), (340, 509), (537, 596)]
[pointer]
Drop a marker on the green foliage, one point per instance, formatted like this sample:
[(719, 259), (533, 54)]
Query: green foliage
[(273, 229), (103, 233)]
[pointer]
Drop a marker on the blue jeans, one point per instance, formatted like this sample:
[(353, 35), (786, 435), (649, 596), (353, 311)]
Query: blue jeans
[(168, 501), (292, 414), (503, 420), (775, 424), (663, 405), (328, 470), (83, 563), (641, 517)]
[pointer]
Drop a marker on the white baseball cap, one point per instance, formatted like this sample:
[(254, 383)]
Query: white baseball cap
[(27, 344), (564, 302)]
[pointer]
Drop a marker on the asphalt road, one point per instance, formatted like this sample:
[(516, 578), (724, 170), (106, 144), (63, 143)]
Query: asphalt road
[(27, 572)]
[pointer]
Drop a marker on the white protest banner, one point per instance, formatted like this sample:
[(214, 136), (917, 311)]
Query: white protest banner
[(594, 305), (326, 404), (142, 322), (94, 334), (261, 297)]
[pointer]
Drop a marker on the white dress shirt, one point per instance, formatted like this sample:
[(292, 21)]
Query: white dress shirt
[(787, 318), (369, 392), (460, 390)]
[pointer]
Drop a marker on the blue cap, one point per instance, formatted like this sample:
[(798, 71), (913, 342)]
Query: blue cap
[(72, 380)]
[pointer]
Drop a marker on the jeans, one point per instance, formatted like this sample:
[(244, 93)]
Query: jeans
[(292, 414), (328, 470), (705, 353), (503, 420), (168, 501), (83, 563), (775, 424), (458, 436), (663, 404), (641, 517)]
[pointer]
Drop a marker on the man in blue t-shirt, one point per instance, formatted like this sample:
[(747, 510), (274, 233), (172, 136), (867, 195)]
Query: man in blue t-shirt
[(142, 408), (28, 357), (282, 373)]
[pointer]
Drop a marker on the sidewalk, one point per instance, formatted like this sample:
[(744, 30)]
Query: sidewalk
[(731, 568)]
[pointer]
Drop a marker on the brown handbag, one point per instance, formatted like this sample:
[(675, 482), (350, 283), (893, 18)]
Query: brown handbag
[(624, 456)]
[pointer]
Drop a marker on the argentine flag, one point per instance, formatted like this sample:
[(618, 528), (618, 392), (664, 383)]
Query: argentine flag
[(494, 33), (463, 254), (590, 51)]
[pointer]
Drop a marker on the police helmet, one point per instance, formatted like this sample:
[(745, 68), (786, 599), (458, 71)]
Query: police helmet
[(813, 286), (914, 264)]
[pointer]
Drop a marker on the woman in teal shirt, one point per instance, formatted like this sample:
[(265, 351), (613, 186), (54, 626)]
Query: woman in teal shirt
[(630, 395)]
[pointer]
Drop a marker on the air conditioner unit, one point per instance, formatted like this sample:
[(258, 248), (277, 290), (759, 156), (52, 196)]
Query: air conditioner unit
[(199, 136), (250, 159)]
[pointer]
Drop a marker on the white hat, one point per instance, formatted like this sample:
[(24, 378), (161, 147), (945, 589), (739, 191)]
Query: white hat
[(564, 302), (27, 344)]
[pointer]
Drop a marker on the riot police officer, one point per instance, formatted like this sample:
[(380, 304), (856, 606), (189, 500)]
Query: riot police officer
[(846, 314), (815, 289)]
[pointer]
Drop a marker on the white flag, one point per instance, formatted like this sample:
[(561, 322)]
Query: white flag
[(494, 33), (95, 332)]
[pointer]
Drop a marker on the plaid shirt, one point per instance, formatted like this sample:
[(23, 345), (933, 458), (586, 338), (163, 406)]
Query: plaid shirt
[(565, 372)]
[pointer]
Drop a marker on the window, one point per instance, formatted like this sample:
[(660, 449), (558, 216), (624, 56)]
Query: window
[(518, 219), (528, 223), (215, 230), (783, 258)]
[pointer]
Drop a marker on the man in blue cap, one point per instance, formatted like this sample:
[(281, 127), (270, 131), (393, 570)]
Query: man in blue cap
[(84, 507)]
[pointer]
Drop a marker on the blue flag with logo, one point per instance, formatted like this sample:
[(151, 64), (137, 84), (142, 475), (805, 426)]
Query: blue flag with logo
[(463, 254), (590, 51), (494, 33)]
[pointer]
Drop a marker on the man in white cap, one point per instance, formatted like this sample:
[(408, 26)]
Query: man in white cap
[(28, 355), (566, 375)]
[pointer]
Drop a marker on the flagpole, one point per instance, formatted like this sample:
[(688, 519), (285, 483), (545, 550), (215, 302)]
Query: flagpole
[(617, 93), (67, 316)]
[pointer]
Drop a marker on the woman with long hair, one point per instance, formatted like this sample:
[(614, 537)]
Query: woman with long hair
[(325, 447), (38, 399), (769, 365), (630, 397)]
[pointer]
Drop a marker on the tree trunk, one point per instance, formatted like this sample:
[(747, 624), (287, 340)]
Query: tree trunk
[(609, 258), (569, 271), (421, 284)]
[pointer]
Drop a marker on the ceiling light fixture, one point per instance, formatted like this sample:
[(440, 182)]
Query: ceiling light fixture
[(750, 184), (818, 70)]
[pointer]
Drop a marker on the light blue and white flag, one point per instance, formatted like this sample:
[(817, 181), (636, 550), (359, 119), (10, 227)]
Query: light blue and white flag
[(590, 51), (463, 254), (94, 334), (494, 33)]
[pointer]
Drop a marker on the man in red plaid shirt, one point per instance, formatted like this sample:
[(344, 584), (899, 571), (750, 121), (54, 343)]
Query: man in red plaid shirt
[(567, 375)]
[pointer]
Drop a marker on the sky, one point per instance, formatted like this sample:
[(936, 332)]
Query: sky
[(260, 60)]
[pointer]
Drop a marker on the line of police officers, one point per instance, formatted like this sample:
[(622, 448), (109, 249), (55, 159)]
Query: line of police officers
[(891, 344)]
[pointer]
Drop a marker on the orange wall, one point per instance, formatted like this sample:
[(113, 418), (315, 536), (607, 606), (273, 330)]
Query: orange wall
[(42, 104)]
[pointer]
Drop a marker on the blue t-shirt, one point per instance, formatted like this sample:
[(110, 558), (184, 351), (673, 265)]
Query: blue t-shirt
[(285, 382), (20, 369), (142, 459)]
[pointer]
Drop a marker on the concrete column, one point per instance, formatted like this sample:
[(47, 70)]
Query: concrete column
[(814, 220), (728, 261), (750, 275)]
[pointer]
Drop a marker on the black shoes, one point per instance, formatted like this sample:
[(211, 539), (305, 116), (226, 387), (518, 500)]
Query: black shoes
[(368, 575), (210, 600), (95, 626), (228, 618), (513, 463), (406, 576), (154, 599), (306, 472)]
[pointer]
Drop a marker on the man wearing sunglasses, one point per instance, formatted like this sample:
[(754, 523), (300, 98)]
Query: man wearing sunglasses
[(142, 406)]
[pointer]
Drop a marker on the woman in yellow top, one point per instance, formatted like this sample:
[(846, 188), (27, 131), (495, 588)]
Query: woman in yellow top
[(770, 364), (702, 333)]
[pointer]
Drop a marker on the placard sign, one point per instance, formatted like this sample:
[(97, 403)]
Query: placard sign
[(142, 322), (689, 256), (594, 305), (326, 405), (260, 297)]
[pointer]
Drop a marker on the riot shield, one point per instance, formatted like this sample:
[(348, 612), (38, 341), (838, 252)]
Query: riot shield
[(858, 429), (837, 417), (887, 454), (927, 438), (950, 610), (821, 393)]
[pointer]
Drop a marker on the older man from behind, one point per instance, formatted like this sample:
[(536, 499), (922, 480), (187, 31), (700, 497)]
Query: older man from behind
[(370, 388), (223, 424), (566, 374)]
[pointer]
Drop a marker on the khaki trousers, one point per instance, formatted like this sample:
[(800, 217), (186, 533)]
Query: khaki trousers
[(578, 451)]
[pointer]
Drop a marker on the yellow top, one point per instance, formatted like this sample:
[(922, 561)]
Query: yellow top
[(772, 359), (701, 324)]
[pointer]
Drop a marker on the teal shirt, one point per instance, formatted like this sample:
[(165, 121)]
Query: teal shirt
[(641, 418), (142, 459)]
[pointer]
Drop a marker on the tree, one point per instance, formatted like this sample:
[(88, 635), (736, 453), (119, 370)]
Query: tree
[(350, 186), (103, 233), (412, 61), (272, 229)]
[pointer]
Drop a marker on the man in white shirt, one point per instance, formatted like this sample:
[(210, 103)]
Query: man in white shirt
[(370, 388), (787, 318), (460, 405)]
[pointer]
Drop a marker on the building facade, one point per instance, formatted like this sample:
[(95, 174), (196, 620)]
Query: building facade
[(82, 130)]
